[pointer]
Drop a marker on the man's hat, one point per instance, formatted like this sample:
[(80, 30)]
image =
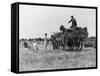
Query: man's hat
[(72, 16), (45, 34)]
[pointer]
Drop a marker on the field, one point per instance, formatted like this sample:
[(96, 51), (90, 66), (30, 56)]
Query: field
[(30, 60)]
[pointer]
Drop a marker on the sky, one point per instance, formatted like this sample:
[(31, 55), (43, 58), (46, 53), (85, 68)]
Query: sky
[(35, 21)]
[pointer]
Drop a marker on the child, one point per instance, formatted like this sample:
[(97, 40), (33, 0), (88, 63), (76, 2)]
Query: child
[(35, 47)]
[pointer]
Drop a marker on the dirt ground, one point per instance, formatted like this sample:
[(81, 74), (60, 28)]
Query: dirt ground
[(30, 60)]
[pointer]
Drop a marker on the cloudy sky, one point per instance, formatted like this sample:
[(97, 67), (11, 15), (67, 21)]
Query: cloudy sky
[(35, 21)]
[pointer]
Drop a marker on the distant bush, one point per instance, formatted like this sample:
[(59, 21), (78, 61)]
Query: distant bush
[(90, 44), (39, 39)]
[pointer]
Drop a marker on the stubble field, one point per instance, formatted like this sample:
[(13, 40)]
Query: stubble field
[(30, 60)]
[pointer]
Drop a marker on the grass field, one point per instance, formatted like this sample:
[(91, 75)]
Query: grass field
[(29, 60)]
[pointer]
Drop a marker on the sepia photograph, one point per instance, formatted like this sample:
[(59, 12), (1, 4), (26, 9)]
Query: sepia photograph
[(52, 38)]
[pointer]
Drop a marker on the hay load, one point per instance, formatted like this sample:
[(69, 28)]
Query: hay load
[(72, 38)]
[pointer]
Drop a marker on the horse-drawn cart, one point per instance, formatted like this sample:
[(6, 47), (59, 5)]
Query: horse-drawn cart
[(69, 38)]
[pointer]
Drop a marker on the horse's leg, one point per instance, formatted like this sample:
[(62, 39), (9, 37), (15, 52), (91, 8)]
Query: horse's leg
[(53, 46), (81, 46)]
